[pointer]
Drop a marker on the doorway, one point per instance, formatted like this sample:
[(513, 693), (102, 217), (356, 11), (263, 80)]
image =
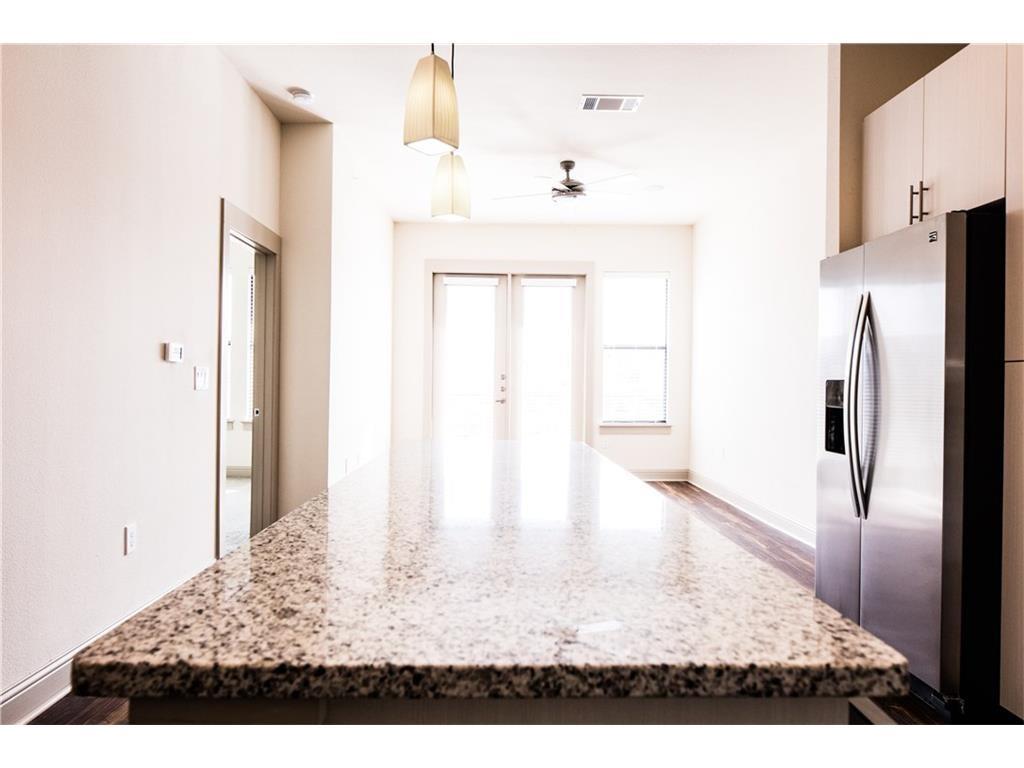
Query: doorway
[(508, 357), (247, 379)]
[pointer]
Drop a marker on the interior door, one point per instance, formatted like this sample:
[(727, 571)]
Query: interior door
[(470, 356), (248, 377)]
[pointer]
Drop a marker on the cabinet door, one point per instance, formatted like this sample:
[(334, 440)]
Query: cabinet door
[(1015, 202), (1012, 684), (965, 130), (892, 162)]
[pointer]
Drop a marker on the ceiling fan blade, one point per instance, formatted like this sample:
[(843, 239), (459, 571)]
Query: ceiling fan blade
[(606, 193), (514, 197), (610, 178)]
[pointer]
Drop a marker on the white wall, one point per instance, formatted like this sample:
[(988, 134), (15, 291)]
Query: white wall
[(114, 163), (336, 316), (609, 248), (362, 256), (755, 273), (306, 184)]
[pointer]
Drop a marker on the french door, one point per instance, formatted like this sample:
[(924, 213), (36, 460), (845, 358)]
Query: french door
[(508, 357)]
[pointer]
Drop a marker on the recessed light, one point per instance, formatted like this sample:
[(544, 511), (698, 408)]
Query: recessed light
[(301, 96)]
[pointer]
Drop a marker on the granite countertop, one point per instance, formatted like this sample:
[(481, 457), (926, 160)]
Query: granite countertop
[(498, 570)]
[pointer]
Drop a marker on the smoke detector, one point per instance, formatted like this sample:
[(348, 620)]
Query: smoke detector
[(599, 102), (301, 96)]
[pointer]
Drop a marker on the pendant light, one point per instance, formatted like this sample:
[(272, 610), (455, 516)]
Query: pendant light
[(450, 198), (431, 109)]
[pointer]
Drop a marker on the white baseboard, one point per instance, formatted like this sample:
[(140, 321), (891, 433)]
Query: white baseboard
[(37, 693), (33, 695), (662, 475), (775, 520)]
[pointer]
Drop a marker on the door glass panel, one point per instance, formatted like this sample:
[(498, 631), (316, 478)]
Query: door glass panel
[(467, 375), (238, 342), (546, 355)]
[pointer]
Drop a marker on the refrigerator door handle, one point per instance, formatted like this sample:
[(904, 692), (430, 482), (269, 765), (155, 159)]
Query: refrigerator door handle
[(874, 396), (852, 402)]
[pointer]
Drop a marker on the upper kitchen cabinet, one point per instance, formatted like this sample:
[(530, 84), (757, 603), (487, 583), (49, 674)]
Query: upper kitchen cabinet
[(1015, 202), (947, 130), (965, 130), (892, 162)]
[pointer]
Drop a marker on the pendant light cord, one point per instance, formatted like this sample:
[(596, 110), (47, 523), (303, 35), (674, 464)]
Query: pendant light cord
[(453, 57)]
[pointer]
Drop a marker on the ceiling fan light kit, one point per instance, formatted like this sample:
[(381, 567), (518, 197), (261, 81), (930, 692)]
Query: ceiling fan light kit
[(431, 108), (570, 188), (450, 198)]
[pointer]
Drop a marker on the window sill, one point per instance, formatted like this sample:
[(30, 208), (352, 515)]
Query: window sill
[(638, 427)]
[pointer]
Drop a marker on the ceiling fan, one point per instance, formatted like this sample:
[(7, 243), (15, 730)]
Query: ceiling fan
[(569, 187)]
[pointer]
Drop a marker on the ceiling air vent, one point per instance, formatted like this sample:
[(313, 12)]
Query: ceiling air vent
[(593, 102)]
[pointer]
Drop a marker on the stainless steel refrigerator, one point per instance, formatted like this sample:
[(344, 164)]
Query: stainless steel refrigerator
[(910, 395)]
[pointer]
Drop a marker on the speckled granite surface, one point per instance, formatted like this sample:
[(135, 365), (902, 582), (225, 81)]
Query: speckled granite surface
[(489, 571)]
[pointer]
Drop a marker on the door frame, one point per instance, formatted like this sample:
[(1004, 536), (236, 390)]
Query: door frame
[(267, 244), (585, 270)]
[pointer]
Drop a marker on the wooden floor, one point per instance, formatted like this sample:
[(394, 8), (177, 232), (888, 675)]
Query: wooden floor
[(85, 710), (792, 557), (770, 545)]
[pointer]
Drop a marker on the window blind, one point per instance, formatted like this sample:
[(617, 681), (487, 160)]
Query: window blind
[(635, 348)]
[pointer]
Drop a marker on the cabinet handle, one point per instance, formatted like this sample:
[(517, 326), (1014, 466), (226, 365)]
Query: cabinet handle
[(921, 212)]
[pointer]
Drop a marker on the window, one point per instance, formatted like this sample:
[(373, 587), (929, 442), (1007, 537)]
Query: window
[(635, 348)]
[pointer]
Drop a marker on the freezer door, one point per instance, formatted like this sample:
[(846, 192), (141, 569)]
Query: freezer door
[(909, 372), (837, 551)]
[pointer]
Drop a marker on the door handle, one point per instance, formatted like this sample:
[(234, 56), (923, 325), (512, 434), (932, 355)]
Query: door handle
[(870, 350), (913, 192), (852, 403), (500, 401)]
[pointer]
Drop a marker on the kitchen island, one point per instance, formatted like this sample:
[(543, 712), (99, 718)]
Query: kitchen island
[(498, 582)]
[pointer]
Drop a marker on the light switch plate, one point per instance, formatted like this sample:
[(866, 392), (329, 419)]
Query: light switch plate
[(131, 535), (174, 352), (201, 375)]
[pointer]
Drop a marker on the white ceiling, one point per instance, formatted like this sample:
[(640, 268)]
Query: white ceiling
[(713, 120)]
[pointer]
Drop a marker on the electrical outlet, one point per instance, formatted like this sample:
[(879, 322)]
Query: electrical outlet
[(131, 536), (201, 375)]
